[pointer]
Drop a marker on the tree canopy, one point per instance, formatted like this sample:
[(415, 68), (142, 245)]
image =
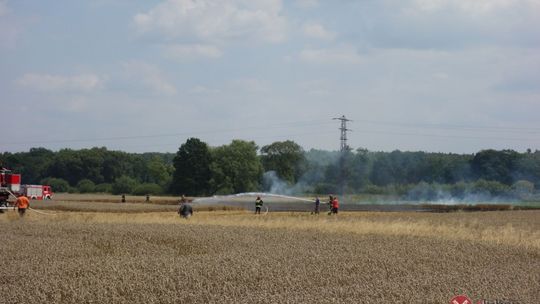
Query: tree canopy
[(197, 169), (192, 168), (286, 158), (236, 168)]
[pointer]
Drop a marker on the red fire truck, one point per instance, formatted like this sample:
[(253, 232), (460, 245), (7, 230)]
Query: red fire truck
[(37, 192), (10, 184)]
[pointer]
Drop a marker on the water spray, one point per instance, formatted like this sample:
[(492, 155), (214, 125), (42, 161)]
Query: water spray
[(262, 194)]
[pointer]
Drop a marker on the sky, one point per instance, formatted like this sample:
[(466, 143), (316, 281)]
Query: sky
[(453, 76)]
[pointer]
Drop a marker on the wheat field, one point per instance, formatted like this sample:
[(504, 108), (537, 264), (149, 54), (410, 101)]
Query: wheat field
[(237, 257)]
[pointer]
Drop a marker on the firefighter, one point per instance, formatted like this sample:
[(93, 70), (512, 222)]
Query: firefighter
[(335, 205), (317, 205), (22, 204), (184, 209), (258, 205), (330, 200)]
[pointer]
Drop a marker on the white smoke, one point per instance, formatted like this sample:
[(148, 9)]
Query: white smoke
[(275, 185)]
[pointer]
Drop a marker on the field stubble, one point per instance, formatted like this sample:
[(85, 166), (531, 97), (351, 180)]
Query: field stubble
[(236, 257)]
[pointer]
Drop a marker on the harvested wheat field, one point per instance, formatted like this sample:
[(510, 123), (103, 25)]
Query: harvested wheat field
[(237, 257)]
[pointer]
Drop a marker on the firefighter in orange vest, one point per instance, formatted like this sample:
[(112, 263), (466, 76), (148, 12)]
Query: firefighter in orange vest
[(22, 204)]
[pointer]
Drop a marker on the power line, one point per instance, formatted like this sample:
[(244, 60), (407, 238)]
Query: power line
[(276, 137), (320, 122), (520, 130), (188, 133), (446, 136)]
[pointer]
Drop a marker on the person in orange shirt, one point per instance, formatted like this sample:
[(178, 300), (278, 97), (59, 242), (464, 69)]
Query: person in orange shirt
[(22, 204), (335, 205)]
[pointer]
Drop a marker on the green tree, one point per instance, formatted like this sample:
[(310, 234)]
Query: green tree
[(523, 189), (116, 164), (236, 167), (192, 168), (317, 172), (490, 187), (528, 167), (57, 184), (358, 165), (159, 172), (492, 165), (383, 171), (36, 162), (31, 165), (124, 184), (103, 188), (67, 165), (86, 186), (286, 158)]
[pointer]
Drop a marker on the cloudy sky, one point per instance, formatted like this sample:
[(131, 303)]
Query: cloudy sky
[(141, 75)]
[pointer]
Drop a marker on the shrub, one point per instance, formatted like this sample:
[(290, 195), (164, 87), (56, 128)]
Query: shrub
[(422, 191), (148, 188), (57, 184), (495, 188), (86, 186), (325, 188), (373, 189), (459, 189), (103, 188), (523, 189), (123, 184), (72, 190)]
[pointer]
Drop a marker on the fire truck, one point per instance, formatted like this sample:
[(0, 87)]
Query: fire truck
[(10, 185), (37, 192)]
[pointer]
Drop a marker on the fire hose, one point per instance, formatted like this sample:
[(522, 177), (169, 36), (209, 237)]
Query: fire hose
[(41, 212), (9, 207), (34, 210)]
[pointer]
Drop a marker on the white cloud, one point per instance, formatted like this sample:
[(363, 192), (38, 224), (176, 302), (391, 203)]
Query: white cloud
[(315, 30), (8, 34), (10, 26), (473, 6), (200, 89), (188, 51), (317, 88), (451, 24), (150, 76), (440, 76), (77, 104), (248, 85), (307, 3), (216, 21), (47, 82), (3, 8), (338, 55)]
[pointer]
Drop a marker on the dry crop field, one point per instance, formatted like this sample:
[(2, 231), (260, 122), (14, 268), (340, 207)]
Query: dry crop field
[(237, 257)]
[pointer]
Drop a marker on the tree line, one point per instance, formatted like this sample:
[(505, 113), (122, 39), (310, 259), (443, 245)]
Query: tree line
[(241, 166)]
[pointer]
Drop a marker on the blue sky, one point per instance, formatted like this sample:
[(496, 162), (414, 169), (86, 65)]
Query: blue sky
[(431, 75)]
